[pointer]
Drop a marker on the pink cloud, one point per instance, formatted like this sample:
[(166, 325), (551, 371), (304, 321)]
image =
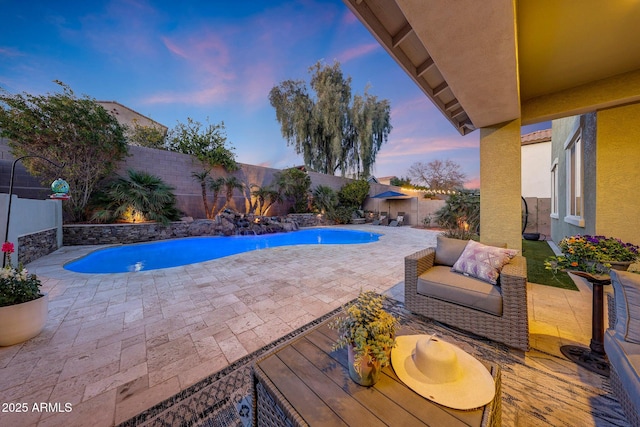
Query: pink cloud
[(255, 86), (472, 183), (357, 52), (200, 96), (348, 18), (206, 59), (417, 145), (204, 52), (173, 48)]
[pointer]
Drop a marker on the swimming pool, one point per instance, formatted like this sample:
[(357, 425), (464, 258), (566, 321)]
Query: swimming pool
[(191, 250)]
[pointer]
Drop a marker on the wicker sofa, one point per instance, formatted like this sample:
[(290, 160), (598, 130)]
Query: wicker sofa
[(622, 342), (498, 312)]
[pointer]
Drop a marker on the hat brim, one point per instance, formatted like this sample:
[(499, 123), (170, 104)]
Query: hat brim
[(474, 389)]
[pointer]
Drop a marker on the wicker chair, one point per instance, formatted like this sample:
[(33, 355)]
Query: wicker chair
[(622, 350), (511, 328)]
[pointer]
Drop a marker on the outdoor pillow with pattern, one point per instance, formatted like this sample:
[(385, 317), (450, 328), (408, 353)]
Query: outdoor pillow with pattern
[(483, 262)]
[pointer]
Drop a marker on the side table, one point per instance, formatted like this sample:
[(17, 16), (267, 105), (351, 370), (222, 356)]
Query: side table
[(592, 358), (306, 383)]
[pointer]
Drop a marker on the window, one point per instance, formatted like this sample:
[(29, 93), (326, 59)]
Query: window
[(554, 189), (575, 200)]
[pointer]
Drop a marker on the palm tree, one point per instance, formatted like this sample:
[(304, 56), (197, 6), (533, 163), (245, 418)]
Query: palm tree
[(231, 183), (202, 178), (141, 195), (265, 198), (325, 199), (216, 185)]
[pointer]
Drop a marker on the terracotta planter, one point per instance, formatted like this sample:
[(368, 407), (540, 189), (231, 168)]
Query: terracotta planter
[(21, 322), (368, 372)]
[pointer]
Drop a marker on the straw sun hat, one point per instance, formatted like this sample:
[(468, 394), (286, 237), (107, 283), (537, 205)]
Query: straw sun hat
[(442, 372)]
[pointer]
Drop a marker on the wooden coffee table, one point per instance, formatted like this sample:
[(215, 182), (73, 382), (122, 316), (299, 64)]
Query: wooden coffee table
[(305, 383)]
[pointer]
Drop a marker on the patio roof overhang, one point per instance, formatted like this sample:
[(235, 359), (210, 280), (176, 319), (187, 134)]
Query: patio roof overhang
[(488, 62)]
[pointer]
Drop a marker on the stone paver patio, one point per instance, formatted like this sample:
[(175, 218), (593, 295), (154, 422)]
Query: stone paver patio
[(116, 344)]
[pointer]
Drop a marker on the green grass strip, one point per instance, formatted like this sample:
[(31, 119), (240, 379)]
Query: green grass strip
[(536, 252)]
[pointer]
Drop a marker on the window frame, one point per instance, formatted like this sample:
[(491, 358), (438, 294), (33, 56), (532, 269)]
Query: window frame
[(574, 156), (554, 190)]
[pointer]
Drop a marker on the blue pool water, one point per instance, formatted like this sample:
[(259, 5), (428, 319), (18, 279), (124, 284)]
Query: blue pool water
[(173, 253)]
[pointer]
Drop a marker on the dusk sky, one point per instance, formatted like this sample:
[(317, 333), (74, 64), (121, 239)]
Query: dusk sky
[(218, 60)]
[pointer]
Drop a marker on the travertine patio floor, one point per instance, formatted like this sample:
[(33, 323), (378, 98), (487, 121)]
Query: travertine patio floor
[(116, 344)]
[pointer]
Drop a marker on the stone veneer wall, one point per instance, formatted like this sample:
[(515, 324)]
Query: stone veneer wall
[(35, 245), (307, 219), (104, 234)]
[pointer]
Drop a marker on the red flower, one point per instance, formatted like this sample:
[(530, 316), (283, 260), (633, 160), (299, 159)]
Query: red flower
[(7, 247)]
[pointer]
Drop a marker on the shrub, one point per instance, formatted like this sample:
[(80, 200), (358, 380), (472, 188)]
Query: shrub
[(460, 216), (343, 214), (354, 193), (294, 185), (325, 200), (140, 197), (65, 129)]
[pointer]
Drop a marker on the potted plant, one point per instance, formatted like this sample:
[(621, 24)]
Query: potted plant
[(23, 308), (368, 332), (593, 254)]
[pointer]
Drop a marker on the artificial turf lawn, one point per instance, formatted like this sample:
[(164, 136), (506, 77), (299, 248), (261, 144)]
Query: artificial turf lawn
[(536, 251)]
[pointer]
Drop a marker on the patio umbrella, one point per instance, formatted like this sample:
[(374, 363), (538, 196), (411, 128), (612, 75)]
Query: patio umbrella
[(391, 195)]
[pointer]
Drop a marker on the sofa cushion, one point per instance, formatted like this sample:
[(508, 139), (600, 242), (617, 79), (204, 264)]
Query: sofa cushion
[(448, 250), (626, 289), (624, 357), (439, 282), (482, 261)]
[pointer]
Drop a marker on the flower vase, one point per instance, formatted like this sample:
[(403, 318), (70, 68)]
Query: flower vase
[(368, 371)]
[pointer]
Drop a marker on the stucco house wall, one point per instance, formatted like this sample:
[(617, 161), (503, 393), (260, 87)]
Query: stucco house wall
[(610, 174), (126, 116), (536, 163), (617, 207)]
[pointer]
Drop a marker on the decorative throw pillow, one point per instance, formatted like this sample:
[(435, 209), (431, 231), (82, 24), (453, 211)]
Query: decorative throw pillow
[(483, 262), (448, 250), (626, 289)]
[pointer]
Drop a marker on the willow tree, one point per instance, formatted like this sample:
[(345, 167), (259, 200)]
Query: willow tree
[(331, 129)]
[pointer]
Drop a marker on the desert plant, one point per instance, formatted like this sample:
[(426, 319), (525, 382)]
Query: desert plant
[(325, 200), (265, 196), (460, 216), (139, 195), (230, 184), (294, 184), (202, 178), (216, 185)]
